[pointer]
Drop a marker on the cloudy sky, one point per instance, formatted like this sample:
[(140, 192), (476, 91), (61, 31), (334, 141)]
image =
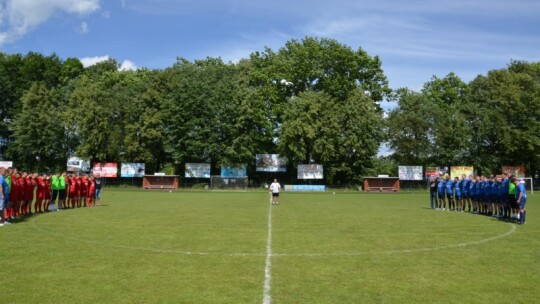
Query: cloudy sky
[(415, 39)]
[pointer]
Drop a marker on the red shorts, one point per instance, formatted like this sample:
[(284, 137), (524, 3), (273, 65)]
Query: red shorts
[(40, 195), (29, 196)]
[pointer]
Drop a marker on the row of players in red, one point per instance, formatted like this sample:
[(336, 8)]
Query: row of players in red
[(48, 192)]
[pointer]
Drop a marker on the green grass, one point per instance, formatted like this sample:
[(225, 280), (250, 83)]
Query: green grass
[(210, 247)]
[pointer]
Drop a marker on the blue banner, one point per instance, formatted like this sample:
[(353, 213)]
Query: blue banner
[(312, 188)]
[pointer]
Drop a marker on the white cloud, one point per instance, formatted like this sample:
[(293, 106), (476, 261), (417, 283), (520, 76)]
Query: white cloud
[(21, 16), (128, 66), (106, 14), (83, 28), (90, 61)]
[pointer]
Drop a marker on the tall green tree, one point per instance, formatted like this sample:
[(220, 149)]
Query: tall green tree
[(409, 128), (505, 117), (450, 132), (38, 130)]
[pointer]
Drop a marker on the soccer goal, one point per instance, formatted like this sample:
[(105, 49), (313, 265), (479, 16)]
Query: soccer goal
[(529, 184), (228, 183)]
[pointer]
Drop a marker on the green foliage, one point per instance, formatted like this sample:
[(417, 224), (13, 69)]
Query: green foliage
[(313, 101), (409, 128), (38, 130)]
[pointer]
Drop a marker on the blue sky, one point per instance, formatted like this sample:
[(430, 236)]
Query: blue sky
[(414, 39)]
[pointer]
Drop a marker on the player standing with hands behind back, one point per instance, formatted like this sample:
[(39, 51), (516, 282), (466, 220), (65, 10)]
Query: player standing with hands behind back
[(274, 188)]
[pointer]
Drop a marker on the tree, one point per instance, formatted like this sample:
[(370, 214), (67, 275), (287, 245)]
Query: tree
[(450, 133), (361, 132), (310, 129), (506, 116), (409, 128), (38, 130)]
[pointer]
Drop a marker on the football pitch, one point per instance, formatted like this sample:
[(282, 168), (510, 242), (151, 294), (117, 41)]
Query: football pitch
[(234, 247)]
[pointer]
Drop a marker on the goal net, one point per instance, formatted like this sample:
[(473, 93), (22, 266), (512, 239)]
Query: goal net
[(228, 183)]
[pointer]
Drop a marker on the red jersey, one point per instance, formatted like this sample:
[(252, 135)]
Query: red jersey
[(73, 191), (84, 186), (41, 188), (22, 188), (78, 186), (91, 188), (29, 189), (47, 188), (15, 194)]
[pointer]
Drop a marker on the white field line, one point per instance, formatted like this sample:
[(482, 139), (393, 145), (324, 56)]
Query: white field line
[(269, 253), (464, 244), (267, 299)]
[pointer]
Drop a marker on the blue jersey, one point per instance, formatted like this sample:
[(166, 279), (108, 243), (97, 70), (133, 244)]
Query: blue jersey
[(465, 186), (449, 186), (486, 189), (506, 185), (494, 186), (5, 187), (440, 187), (472, 187), (458, 185), (521, 189), (479, 186), (500, 189)]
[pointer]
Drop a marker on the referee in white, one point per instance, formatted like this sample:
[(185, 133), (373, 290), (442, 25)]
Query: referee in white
[(274, 188)]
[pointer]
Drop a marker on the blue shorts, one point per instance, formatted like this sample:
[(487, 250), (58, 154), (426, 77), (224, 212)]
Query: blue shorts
[(441, 195), (4, 203), (522, 203), (449, 195), (465, 195), (458, 196)]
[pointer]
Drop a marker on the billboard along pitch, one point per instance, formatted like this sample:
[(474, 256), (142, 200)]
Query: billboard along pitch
[(132, 169), (270, 163), (197, 170)]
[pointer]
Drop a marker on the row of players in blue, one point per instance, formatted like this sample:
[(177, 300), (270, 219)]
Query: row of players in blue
[(502, 196)]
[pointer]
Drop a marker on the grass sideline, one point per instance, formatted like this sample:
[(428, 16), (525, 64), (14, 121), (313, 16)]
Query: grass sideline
[(210, 247)]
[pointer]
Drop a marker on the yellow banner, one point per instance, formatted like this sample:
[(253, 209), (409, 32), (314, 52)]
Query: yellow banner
[(457, 171)]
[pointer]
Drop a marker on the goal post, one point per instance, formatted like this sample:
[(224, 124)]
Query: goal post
[(529, 186), (228, 183)]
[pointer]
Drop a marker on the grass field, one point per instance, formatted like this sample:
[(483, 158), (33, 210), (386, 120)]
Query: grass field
[(214, 247)]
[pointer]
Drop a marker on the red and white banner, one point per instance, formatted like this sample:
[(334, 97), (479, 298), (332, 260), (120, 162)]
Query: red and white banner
[(106, 169)]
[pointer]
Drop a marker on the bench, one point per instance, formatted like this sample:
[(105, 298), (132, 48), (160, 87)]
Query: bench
[(382, 189), (161, 187)]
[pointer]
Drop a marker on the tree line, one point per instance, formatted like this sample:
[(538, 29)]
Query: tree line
[(312, 101)]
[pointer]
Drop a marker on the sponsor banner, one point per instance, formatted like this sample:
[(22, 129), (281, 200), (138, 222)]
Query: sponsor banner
[(316, 188), (458, 171), (270, 163), (310, 171), (444, 170), (432, 171), (6, 164), (132, 169), (77, 164), (106, 169), (410, 172), (236, 171), (518, 171), (197, 170)]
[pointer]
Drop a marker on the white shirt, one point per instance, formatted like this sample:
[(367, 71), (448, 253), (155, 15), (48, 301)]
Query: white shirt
[(275, 187)]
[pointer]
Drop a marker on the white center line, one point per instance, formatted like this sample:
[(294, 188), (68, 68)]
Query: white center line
[(267, 299)]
